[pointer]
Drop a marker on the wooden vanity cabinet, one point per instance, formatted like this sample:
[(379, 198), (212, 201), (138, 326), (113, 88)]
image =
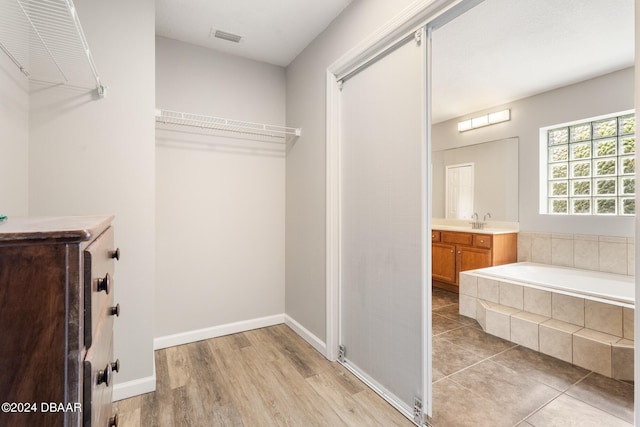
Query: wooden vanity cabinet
[(56, 318), (456, 251), (444, 262)]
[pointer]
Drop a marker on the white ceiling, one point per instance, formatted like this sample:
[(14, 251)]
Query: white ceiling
[(273, 31), (500, 51), (503, 50)]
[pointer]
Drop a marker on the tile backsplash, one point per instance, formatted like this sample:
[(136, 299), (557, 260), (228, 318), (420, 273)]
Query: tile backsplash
[(588, 252)]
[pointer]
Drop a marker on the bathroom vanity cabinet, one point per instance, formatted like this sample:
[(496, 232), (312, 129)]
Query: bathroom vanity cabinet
[(56, 344), (456, 251)]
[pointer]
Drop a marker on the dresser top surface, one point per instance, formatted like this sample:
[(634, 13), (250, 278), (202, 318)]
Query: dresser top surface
[(58, 228)]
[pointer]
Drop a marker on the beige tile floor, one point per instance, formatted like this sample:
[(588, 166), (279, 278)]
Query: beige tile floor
[(482, 380)]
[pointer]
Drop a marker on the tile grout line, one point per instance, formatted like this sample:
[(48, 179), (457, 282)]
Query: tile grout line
[(485, 359), (589, 404)]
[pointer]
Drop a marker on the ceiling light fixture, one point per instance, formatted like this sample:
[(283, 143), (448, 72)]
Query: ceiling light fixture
[(226, 36), (485, 120)]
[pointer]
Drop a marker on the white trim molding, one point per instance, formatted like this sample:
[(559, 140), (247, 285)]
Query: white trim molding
[(306, 335), (136, 387), (636, 320), (216, 331), (332, 217)]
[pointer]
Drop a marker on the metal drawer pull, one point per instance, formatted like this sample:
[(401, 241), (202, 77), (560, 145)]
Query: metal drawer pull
[(113, 421), (115, 311), (105, 284), (116, 254), (104, 377)]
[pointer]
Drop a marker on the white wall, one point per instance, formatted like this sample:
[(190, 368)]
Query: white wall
[(603, 95), (220, 198), (306, 174), (89, 156), (14, 138)]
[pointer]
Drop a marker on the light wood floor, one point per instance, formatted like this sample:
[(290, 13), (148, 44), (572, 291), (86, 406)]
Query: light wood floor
[(264, 377)]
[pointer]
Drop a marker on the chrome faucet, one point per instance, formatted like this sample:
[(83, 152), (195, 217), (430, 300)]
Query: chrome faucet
[(485, 217), (476, 224)]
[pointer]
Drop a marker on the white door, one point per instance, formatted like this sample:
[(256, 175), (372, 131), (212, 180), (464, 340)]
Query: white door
[(459, 191), (383, 223)]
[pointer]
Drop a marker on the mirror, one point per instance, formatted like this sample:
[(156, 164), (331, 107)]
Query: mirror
[(494, 180)]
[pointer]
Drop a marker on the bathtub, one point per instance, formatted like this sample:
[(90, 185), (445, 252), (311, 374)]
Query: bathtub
[(582, 317), (612, 288)]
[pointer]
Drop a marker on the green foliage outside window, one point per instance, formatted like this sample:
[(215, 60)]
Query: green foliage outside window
[(582, 188), (559, 171), (559, 189), (607, 128), (581, 169), (559, 206), (606, 167), (558, 136), (582, 151), (581, 206), (559, 153), (597, 153), (628, 145), (580, 133), (606, 148), (606, 186), (606, 206), (627, 124), (629, 206)]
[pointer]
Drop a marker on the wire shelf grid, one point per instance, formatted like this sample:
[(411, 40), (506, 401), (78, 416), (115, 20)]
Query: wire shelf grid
[(45, 39), (166, 117)]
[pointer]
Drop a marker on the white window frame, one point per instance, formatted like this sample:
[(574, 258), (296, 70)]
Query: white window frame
[(544, 208)]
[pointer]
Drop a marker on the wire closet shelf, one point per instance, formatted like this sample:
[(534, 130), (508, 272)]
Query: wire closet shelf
[(45, 40), (166, 117)]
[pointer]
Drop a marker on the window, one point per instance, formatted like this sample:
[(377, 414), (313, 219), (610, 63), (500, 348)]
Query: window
[(590, 166)]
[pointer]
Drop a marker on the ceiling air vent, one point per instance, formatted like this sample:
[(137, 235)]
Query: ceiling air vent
[(227, 36)]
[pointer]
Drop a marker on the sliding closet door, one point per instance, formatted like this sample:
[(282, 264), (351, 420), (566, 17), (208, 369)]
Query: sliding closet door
[(383, 207)]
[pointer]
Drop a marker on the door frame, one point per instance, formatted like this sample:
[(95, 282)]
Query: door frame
[(429, 13), (636, 318)]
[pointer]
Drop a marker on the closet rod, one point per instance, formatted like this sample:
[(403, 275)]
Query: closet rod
[(168, 117)]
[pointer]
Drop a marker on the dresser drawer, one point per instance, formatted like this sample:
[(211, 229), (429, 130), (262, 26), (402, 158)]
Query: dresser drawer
[(435, 235), (98, 282), (100, 369)]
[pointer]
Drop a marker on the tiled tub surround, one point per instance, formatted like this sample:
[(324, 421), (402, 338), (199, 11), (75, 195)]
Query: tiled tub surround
[(589, 252), (583, 330)]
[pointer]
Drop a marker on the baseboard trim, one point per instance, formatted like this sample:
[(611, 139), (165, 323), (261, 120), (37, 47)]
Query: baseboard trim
[(304, 333), (135, 387), (148, 384), (216, 331)]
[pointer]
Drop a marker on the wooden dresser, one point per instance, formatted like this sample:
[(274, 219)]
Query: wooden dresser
[(456, 251), (56, 321)]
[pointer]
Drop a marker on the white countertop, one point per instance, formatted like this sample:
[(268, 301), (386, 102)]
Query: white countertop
[(495, 227)]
